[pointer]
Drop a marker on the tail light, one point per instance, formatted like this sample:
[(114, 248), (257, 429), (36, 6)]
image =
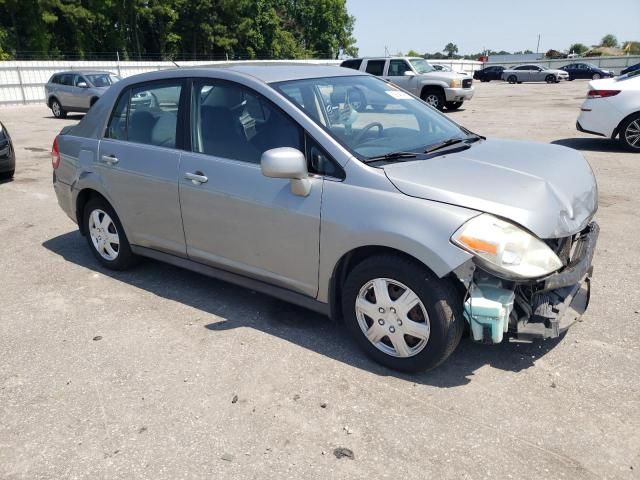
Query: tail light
[(55, 154), (602, 93)]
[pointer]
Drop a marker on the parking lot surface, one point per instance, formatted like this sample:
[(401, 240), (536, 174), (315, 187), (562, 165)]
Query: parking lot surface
[(161, 373)]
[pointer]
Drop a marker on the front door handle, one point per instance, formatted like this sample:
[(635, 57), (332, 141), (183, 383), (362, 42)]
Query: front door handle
[(196, 178), (110, 159)]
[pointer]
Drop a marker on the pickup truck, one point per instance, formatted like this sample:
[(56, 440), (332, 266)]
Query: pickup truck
[(415, 75)]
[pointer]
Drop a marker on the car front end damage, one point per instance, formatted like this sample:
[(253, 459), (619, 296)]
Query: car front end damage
[(497, 304)]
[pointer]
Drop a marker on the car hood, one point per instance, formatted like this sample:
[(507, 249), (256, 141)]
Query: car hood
[(443, 76), (548, 189)]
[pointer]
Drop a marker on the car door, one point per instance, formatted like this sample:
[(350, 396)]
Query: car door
[(396, 74), (81, 96), (139, 162), (64, 90), (234, 217)]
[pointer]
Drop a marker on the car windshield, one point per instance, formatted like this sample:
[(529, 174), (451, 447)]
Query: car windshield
[(370, 117), (421, 66), (103, 79)]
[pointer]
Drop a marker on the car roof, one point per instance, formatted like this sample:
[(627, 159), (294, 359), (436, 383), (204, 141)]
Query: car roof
[(271, 73), (84, 72)]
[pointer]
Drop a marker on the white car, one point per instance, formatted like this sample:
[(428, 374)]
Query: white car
[(533, 73), (612, 109)]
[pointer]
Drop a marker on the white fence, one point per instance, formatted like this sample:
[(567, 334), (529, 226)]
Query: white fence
[(607, 63), (22, 82)]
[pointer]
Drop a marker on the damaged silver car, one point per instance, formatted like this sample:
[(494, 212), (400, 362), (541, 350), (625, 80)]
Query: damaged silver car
[(397, 221)]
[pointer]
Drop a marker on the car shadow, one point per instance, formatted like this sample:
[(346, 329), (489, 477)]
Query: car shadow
[(239, 307), (591, 144)]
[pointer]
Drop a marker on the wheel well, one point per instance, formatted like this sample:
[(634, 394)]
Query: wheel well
[(51, 99), (430, 88), (93, 100), (83, 198), (616, 131), (347, 263)]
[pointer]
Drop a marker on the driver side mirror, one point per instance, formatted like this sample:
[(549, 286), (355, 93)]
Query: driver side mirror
[(82, 85), (288, 163)]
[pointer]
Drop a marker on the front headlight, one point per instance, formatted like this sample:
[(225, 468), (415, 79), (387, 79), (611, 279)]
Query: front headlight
[(505, 248), (456, 83)]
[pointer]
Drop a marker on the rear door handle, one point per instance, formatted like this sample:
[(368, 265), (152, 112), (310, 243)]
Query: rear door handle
[(110, 159), (196, 178)]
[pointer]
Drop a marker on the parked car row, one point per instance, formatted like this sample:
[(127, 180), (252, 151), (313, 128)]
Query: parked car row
[(536, 73)]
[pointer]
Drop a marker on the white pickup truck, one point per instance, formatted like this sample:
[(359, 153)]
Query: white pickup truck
[(438, 88)]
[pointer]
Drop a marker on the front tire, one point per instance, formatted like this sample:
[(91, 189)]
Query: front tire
[(453, 105), (57, 110), (401, 314), (434, 97), (105, 236), (596, 76), (550, 79), (630, 133)]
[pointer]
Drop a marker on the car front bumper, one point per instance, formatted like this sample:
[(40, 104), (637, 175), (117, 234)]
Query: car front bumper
[(538, 309), (562, 298), (458, 94)]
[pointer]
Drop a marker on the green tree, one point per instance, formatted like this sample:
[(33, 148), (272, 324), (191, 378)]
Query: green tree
[(413, 53), (609, 40), (578, 48), (450, 49)]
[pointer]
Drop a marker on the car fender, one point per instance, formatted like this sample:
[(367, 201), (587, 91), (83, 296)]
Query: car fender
[(385, 217)]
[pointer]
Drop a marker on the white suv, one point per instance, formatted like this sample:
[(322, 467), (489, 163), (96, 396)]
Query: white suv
[(438, 88)]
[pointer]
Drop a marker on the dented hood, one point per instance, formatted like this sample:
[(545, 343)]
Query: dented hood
[(548, 189)]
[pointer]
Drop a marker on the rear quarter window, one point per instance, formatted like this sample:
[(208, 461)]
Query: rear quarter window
[(353, 64)]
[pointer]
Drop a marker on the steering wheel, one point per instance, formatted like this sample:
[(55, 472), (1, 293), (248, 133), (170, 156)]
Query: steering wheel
[(366, 128)]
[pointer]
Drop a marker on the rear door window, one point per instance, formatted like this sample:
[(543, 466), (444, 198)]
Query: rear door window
[(376, 67), (148, 114)]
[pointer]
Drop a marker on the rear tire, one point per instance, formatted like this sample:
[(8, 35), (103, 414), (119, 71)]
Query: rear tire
[(105, 236), (7, 175), (434, 97), (57, 110), (433, 312), (630, 133), (453, 105), (512, 79)]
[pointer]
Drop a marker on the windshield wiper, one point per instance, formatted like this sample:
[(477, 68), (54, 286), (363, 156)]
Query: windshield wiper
[(452, 141), (390, 157)]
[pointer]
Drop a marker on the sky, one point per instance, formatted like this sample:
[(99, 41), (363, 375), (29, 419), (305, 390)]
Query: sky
[(474, 25)]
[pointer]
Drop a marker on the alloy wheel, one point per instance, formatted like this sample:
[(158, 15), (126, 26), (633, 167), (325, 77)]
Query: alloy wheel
[(632, 134), (104, 235), (392, 317), (55, 108), (432, 99)]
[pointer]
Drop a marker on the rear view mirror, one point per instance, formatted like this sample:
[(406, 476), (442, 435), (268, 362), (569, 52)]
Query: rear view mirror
[(288, 163)]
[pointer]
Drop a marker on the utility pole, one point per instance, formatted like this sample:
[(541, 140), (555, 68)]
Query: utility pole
[(538, 46), (386, 51)]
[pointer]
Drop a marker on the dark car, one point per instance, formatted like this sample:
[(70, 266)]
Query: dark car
[(488, 73), (630, 69), (586, 70), (7, 154)]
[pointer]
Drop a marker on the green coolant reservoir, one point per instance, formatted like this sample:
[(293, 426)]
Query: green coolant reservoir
[(487, 310)]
